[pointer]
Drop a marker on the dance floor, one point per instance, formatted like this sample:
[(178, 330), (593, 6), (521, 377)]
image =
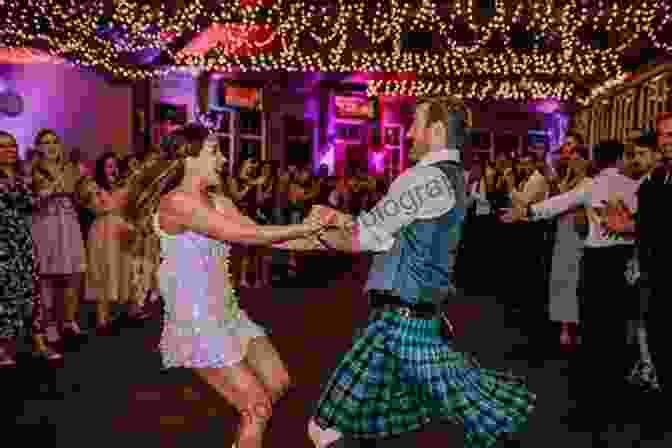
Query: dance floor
[(112, 392)]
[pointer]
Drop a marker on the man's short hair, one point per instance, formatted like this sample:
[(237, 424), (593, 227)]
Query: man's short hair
[(453, 113), (576, 136)]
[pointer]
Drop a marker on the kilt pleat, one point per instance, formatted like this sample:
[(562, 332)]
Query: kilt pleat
[(401, 374)]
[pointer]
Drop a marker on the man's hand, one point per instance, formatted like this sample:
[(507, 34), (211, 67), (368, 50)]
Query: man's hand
[(337, 234), (330, 217), (618, 218)]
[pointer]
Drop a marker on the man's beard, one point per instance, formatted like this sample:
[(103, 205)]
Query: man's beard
[(637, 172)]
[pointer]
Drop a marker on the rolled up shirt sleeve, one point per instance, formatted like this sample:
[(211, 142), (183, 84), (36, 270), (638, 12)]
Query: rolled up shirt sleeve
[(559, 204)]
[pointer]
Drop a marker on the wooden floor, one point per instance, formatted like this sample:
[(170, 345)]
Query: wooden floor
[(113, 393)]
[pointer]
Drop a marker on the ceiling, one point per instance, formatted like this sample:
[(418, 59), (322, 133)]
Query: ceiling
[(470, 46)]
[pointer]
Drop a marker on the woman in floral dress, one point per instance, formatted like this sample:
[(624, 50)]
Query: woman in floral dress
[(20, 299)]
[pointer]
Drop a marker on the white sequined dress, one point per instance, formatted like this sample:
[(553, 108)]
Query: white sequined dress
[(203, 326)]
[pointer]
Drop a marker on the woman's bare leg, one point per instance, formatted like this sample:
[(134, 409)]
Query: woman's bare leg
[(239, 386), (70, 293), (265, 362)]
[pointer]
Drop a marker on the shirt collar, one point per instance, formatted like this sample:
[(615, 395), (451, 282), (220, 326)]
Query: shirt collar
[(645, 179), (450, 155), (610, 171)]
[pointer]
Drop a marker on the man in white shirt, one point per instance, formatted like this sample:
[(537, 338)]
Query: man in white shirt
[(413, 376), (603, 301)]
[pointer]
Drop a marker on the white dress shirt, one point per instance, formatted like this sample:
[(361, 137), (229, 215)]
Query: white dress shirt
[(608, 185)]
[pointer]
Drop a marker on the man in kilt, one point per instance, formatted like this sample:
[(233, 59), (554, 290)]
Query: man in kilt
[(403, 372)]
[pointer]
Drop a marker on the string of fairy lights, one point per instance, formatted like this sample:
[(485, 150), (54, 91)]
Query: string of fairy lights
[(310, 36)]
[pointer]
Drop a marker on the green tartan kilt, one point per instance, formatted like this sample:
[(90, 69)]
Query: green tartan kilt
[(402, 373)]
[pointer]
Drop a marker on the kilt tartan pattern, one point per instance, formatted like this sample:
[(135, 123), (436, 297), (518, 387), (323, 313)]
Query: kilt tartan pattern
[(402, 373)]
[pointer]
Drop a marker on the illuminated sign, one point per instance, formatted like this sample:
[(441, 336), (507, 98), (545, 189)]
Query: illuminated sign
[(353, 107), (245, 97)]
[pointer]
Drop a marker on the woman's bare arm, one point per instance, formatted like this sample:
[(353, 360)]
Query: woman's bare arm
[(189, 212), (341, 237), (226, 207)]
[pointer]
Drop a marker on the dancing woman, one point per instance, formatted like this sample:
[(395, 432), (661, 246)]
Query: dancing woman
[(204, 329)]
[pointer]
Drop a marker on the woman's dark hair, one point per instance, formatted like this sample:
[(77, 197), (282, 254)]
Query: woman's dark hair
[(100, 176), (124, 165), (44, 132), (272, 164), (608, 152), (7, 134)]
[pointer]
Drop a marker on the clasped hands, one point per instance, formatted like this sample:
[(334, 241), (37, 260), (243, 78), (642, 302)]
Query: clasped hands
[(324, 218), (320, 220)]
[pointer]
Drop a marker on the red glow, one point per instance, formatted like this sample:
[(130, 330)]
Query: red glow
[(234, 39), (27, 56), (260, 3), (167, 36)]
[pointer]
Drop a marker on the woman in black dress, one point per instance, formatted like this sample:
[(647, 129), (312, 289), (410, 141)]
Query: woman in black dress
[(20, 299)]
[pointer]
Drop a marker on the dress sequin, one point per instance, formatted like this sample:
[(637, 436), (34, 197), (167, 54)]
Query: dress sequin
[(203, 324)]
